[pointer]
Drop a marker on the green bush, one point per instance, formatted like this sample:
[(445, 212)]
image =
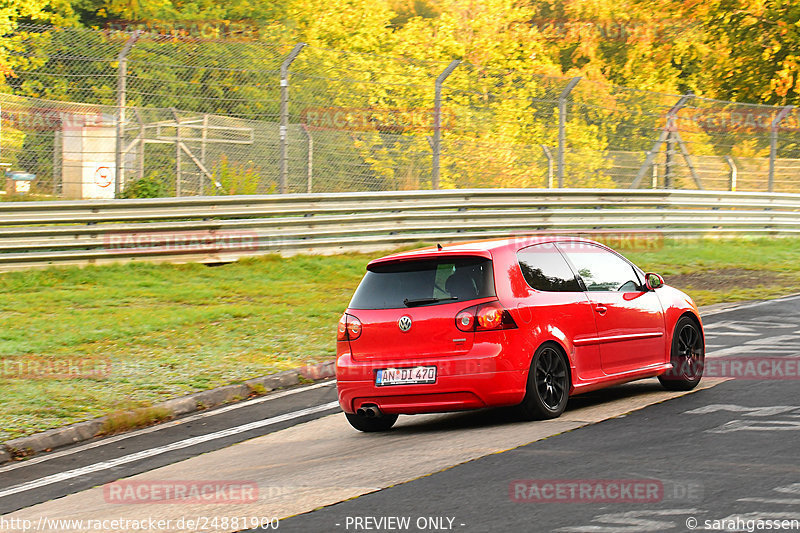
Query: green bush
[(150, 186)]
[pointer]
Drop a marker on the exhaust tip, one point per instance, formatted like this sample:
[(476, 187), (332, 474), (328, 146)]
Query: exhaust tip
[(369, 411)]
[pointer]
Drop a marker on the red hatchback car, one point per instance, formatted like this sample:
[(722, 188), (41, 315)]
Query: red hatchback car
[(525, 322)]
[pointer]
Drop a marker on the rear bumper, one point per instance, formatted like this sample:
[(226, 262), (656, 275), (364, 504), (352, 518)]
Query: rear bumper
[(461, 383)]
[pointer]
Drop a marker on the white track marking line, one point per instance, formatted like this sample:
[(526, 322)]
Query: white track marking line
[(748, 306), (159, 427), (144, 454)]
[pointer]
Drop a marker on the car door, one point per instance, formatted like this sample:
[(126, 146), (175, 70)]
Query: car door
[(629, 318), (558, 303)]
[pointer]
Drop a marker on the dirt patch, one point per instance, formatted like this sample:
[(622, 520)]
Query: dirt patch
[(728, 278)]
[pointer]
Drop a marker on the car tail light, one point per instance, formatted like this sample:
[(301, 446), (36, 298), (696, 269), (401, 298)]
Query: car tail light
[(349, 328), (490, 316), (465, 320)]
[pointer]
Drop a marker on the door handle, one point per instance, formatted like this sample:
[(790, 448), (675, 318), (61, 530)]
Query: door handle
[(601, 309)]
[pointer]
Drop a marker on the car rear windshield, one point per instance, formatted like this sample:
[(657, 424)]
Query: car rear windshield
[(424, 282)]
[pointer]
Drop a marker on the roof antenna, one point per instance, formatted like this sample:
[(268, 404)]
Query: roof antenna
[(439, 246)]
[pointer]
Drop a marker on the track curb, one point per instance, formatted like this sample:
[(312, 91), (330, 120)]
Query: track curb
[(89, 429)]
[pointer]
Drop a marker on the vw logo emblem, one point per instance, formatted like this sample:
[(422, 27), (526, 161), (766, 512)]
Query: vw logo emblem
[(404, 323)]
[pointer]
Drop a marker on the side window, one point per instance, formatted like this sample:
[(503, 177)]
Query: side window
[(545, 269), (601, 270)]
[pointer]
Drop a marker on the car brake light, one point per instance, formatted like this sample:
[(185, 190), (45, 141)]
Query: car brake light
[(490, 317), (349, 328), (485, 317)]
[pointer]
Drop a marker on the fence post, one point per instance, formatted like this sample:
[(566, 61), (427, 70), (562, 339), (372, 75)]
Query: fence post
[(734, 172), (666, 134), (773, 144), (284, 127), (669, 159), (203, 139), (549, 155), (654, 183), (310, 164), (436, 145), (562, 127), (122, 72), (178, 184), (142, 142), (58, 153)]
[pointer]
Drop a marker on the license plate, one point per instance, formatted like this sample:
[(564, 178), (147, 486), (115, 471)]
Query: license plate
[(406, 376)]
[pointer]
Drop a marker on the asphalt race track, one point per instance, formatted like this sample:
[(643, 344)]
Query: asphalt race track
[(631, 458), (724, 453)]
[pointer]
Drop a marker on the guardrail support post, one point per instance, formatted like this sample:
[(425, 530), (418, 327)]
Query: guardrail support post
[(773, 144), (284, 127), (436, 144), (549, 155), (734, 172), (562, 128), (122, 73)]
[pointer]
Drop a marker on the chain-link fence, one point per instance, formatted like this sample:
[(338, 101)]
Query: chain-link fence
[(91, 112)]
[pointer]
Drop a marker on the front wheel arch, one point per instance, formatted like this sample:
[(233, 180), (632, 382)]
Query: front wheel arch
[(696, 321), (677, 377)]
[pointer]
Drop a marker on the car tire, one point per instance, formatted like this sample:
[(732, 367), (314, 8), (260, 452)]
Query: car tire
[(548, 385), (371, 425), (687, 357)]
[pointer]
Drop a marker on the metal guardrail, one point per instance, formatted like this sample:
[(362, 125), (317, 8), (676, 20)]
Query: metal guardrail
[(224, 228)]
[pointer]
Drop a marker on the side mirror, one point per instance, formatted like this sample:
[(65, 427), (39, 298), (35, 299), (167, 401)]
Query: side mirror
[(653, 281)]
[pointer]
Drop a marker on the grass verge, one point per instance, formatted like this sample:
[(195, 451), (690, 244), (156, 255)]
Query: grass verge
[(162, 331)]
